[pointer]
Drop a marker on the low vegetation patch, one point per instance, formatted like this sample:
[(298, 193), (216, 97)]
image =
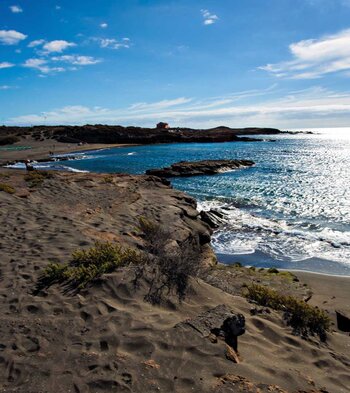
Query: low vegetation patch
[(7, 188), (88, 265), (108, 179), (302, 317), (163, 264), (8, 140), (36, 178)]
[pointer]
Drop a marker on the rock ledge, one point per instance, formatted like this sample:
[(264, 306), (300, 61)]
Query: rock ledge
[(195, 168)]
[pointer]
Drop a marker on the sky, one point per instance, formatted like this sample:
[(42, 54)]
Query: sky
[(196, 63)]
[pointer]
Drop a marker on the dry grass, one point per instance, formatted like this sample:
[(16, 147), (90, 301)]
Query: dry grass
[(36, 178)]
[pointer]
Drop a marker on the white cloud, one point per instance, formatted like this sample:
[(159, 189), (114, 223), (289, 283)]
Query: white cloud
[(6, 64), (42, 66), (45, 65), (58, 7), (208, 17), (11, 37), (77, 60), (313, 107), (35, 43), (104, 25), (16, 9), (57, 46), (315, 58), (113, 43)]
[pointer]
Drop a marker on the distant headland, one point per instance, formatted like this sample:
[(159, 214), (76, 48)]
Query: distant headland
[(162, 133)]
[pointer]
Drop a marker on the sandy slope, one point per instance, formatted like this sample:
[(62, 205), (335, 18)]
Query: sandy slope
[(107, 339)]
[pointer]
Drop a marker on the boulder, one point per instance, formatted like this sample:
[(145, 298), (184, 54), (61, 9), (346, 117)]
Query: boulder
[(220, 321), (343, 320)]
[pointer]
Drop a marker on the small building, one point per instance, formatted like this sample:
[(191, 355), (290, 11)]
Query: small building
[(162, 126)]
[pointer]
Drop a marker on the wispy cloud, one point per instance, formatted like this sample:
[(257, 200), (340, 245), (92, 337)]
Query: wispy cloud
[(315, 58), (16, 9), (49, 65), (11, 37), (6, 64), (305, 108), (77, 60), (104, 25), (208, 17), (36, 43), (113, 43), (142, 106), (7, 87)]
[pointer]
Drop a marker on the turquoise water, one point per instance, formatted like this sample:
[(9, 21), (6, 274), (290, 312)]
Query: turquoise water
[(291, 210)]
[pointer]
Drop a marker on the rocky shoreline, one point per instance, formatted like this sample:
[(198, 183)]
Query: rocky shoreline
[(196, 168)]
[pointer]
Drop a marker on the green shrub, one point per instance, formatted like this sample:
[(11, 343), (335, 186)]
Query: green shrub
[(36, 178), (272, 270), (303, 318), (6, 188), (8, 140), (252, 268), (108, 179), (87, 265)]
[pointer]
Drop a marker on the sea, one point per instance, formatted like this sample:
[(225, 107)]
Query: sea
[(291, 210)]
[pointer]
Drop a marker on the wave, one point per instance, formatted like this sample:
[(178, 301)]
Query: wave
[(245, 232), (46, 166)]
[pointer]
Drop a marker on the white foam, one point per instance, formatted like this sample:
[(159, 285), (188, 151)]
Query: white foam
[(245, 232)]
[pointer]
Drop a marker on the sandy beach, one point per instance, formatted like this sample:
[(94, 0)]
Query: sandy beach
[(106, 337), (35, 150)]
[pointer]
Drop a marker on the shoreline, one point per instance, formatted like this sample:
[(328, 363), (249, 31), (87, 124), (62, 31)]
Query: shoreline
[(260, 260), (40, 151)]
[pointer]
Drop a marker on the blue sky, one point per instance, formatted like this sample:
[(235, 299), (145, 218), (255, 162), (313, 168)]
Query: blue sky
[(278, 63)]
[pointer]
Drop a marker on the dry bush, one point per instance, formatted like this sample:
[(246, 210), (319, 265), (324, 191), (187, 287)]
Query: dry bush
[(303, 318), (168, 267)]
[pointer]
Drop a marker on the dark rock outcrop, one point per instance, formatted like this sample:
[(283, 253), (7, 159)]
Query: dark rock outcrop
[(195, 168), (221, 322), (213, 218), (343, 320)]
